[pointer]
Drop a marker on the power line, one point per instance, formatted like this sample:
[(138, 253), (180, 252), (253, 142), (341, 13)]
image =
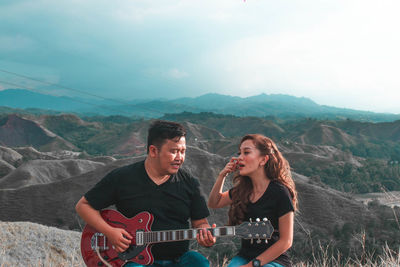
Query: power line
[(71, 99), (76, 90), (49, 83)]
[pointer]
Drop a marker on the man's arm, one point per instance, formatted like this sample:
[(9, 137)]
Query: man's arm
[(204, 237), (119, 237)]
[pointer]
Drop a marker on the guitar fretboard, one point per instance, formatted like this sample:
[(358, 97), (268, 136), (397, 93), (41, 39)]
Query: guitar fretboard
[(143, 238)]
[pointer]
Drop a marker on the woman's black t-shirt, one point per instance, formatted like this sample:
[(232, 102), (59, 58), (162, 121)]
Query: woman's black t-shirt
[(274, 203)]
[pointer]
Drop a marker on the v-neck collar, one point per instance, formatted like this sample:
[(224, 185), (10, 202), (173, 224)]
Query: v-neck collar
[(150, 181), (263, 194)]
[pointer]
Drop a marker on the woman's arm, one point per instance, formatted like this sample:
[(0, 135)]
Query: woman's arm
[(284, 242), (217, 198)]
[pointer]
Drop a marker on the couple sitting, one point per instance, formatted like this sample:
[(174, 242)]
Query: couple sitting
[(263, 187)]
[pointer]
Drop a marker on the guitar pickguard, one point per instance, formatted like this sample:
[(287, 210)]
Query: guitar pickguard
[(131, 252)]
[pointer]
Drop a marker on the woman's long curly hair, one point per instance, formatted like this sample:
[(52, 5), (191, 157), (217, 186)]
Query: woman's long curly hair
[(276, 169)]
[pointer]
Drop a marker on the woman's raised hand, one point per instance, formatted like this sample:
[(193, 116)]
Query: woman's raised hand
[(231, 166)]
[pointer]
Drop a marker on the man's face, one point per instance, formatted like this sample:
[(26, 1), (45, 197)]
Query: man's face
[(171, 156)]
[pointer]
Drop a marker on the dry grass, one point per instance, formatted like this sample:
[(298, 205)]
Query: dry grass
[(389, 258), (325, 258)]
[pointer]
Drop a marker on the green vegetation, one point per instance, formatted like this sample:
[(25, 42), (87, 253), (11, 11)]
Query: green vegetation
[(371, 177), (379, 149), (97, 136)]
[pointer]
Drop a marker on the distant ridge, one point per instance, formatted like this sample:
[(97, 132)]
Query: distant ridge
[(20, 98), (17, 131), (263, 105)]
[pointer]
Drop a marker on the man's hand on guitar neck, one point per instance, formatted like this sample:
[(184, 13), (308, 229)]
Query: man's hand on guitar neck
[(204, 236)]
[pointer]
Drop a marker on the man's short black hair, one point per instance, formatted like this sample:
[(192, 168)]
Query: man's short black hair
[(160, 131)]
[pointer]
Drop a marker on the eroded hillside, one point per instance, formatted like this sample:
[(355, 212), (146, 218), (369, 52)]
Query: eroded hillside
[(40, 186)]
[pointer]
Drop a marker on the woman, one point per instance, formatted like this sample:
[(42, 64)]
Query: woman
[(263, 187)]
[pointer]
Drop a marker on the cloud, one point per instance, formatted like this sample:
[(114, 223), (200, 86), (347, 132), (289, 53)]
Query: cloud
[(15, 43), (176, 74), (350, 57), (332, 51)]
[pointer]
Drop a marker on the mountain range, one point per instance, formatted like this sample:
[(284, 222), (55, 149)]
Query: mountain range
[(263, 105)]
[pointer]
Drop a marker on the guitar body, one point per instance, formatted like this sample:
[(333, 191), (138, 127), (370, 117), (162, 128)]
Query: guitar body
[(93, 240)]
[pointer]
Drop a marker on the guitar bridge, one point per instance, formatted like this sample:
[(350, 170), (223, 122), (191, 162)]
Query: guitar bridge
[(99, 241)]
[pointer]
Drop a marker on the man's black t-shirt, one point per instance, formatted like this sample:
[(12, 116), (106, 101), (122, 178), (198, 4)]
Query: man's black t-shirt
[(172, 203), (274, 203)]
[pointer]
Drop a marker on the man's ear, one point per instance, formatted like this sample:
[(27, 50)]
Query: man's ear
[(153, 151)]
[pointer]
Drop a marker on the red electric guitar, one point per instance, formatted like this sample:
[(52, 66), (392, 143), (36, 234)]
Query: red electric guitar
[(98, 251)]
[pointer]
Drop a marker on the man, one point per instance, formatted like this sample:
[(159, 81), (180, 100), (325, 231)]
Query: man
[(159, 186)]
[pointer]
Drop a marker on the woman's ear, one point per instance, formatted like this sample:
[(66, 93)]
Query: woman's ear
[(264, 160)]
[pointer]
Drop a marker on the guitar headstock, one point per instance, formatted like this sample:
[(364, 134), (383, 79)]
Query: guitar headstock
[(255, 230)]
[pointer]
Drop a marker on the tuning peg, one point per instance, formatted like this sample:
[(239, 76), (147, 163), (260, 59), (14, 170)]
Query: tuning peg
[(251, 241), (266, 241), (250, 220), (265, 219), (258, 241), (258, 220)]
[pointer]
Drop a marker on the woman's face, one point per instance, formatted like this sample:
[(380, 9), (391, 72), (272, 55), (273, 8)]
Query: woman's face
[(250, 160)]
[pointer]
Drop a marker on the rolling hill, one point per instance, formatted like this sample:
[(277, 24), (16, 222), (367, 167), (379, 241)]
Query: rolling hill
[(43, 186)]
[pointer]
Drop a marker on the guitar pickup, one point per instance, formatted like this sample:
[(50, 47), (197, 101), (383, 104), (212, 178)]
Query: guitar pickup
[(139, 238)]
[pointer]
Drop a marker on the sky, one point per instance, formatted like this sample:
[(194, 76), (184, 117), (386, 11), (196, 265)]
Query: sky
[(342, 53)]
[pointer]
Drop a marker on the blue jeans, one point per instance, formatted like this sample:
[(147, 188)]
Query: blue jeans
[(239, 261), (190, 258)]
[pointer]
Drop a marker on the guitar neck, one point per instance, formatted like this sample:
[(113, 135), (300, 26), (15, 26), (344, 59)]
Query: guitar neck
[(179, 235)]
